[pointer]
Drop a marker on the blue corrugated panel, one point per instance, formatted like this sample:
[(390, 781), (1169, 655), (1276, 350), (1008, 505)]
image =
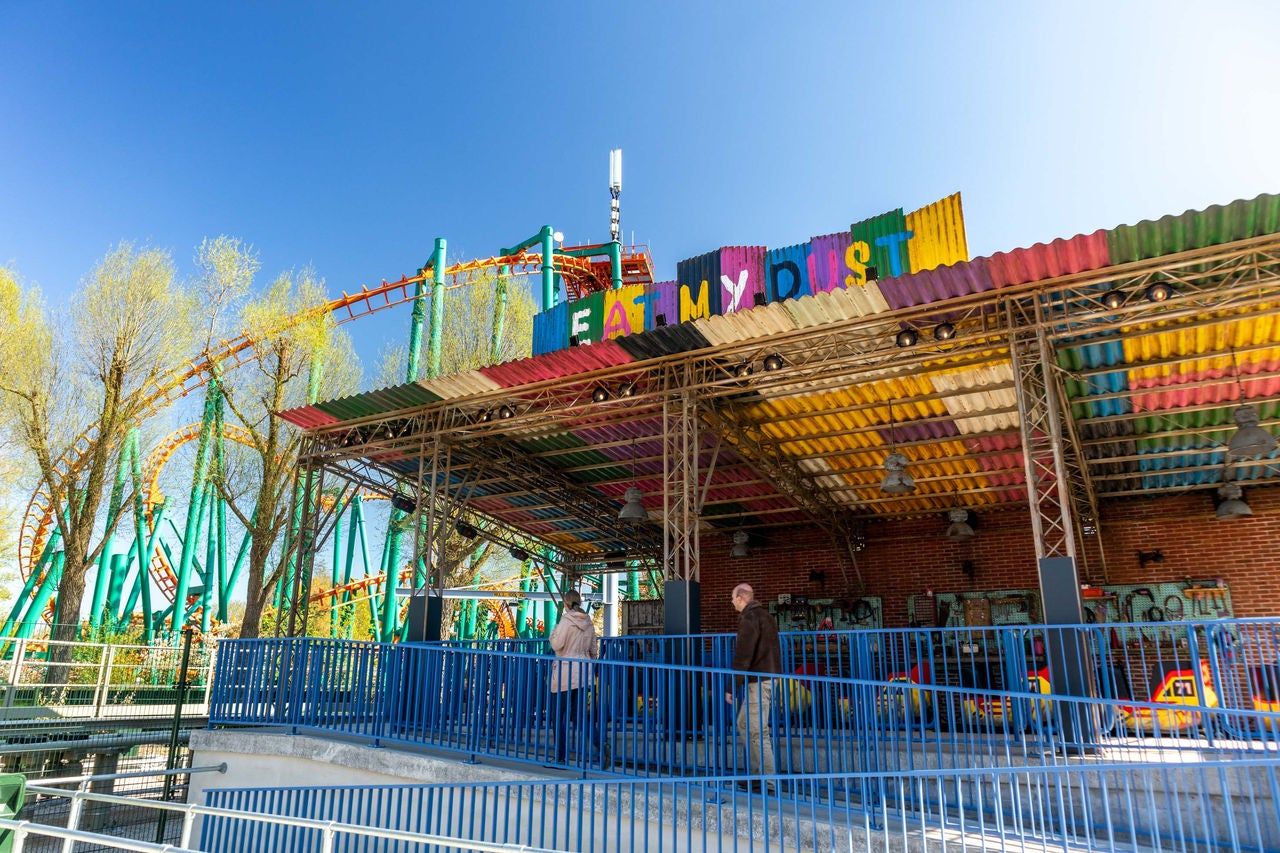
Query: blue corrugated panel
[(551, 329), (788, 273)]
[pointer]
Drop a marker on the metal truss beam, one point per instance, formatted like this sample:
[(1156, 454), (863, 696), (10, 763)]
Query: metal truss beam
[(682, 445)]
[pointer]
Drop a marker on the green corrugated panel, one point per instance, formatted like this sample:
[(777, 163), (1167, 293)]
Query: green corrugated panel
[(1195, 229), (885, 225), (378, 402)]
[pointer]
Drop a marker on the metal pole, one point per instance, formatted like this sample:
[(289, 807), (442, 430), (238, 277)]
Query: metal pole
[(548, 268), (499, 314), (181, 686), (437, 310)]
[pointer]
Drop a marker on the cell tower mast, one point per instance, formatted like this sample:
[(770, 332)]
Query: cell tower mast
[(615, 190)]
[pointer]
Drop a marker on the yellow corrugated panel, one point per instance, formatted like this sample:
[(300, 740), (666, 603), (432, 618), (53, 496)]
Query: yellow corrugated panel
[(937, 234), (1156, 345), (622, 314), (460, 384), (745, 325)]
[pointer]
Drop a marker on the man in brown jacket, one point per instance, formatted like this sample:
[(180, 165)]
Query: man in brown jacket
[(756, 650)]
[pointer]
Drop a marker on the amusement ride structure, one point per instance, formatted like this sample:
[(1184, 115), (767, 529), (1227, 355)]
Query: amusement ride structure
[(173, 572)]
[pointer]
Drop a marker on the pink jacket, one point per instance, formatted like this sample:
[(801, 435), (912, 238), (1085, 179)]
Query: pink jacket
[(573, 640)]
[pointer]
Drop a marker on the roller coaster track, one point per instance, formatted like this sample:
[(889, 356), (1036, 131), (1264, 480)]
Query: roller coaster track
[(500, 610), (38, 520)]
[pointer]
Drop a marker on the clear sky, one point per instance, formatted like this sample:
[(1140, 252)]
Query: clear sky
[(350, 136)]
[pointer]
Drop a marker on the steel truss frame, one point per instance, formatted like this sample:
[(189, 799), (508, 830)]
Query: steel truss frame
[(1024, 324)]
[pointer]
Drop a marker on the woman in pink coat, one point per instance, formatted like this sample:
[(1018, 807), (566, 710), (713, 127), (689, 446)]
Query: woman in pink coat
[(574, 642)]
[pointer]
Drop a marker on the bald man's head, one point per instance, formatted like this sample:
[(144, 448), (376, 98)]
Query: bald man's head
[(743, 595)]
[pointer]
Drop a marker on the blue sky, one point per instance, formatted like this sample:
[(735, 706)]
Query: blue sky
[(349, 138)]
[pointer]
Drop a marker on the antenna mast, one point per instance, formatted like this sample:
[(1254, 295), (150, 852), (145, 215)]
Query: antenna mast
[(615, 190)]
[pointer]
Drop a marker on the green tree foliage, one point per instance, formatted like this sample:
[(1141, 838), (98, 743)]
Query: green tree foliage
[(302, 362), (73, 384)]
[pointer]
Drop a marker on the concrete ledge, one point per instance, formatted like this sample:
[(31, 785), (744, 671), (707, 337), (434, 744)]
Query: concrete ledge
[(268, 759)]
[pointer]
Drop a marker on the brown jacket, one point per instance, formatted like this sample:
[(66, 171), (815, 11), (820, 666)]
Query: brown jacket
[(757, 648)]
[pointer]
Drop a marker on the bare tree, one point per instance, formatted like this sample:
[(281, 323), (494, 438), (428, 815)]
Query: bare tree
[(72, 386)]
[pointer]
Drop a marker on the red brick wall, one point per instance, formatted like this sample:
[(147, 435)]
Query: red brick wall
[(904, 557)]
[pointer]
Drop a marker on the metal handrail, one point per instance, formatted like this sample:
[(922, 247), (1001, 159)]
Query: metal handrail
[(329, 829), (22, 828)]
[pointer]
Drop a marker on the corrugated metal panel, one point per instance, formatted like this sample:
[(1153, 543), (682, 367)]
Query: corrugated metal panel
[(459, 384), (937, 284), (1049, 260), (788, 273), (663, 341), (586, 319), (842, 304), (378, 402), (551, 329), (307, 417), (974, 392), (937, 234), (664, 301), (555, 365), (699, 286), (743, 266), (745, 325), (827, 267), (1195, 229), (885, 237), (624, 311)]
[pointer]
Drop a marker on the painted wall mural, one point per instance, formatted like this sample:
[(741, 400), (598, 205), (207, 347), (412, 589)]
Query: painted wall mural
[(737, 278)]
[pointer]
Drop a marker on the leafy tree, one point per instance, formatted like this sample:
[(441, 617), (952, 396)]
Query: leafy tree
[(73, 384), (301, 363)]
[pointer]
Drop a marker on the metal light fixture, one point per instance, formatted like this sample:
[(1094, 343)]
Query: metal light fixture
[(466, 531), (741, 545), (906, 338), (944, 331), (632, 509), (1113, 299), (959, 530), (743, 370), (1232, 505), (773, 362), (896, 479), (1249, 439), (404, 503), (1159, 291), (627, 390), (599, 394), (518, 553), (505, 412)]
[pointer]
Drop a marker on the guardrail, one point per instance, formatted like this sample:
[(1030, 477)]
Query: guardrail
[(100, 679), (1214, 804), (873, 700)]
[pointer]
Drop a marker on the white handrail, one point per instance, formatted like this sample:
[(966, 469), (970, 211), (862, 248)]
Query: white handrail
[(327, 828)]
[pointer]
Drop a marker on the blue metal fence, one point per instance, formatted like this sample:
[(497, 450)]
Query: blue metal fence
[(856, 701), (1214, 804)]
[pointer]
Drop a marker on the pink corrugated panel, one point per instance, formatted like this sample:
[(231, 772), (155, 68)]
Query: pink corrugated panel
[(554, 365), (308, 417), (1049, 260), (741, 277), (827, 268)]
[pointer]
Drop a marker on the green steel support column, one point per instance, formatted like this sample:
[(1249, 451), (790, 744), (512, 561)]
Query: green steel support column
[(142, 552), (437, 310), (548, 268), (45, 591), (615, 264), (144, 560), (33, 582), (210, 559), (417, 320), (335, 572), (499, 314), (119, 569), (523, 610), (390, 616), (105, 578), (224, 591), (242, 557), (204, 449), (126, 610)]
